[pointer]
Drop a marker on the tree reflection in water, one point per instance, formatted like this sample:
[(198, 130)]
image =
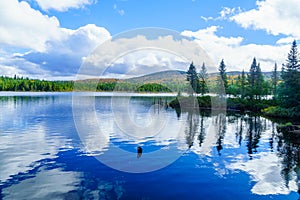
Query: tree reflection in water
[(202, 133), (240, 129), (253, 134), (192, 127), (220, 123), (289, 150), (248, 131)]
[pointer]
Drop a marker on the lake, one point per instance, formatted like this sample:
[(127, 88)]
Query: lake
[(57, 146)]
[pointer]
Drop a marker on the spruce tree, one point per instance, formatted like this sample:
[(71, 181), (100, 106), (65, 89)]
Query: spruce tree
[(223, 75), (259, 82), (203, 77), (292, 60), (290, 93), (243, 85), (193, 79), (255, 81), (274, 81), (251, 78)]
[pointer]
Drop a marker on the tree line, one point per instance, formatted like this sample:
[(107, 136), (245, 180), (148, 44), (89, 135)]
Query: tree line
[(252, 86), (25, 84), (34, 85)]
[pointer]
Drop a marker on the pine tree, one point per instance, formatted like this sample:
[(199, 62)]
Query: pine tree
[(251, 79), (203, 77), (274, 81), (223, 75), (255, 81), (259, 82), (293, 60), (289, 92), (243, 85), (193, 79)]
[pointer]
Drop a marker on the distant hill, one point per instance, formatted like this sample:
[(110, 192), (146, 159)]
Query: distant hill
[(169, 76), (177, 76), (236, 73)]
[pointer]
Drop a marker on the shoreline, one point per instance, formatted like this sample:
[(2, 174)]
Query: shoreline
[(86, 93)]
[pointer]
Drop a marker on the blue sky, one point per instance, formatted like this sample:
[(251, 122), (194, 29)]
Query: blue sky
[(51, 38)]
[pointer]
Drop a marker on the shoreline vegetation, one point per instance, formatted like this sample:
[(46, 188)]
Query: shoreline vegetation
[(250, 88), (265, 107), (239, 91)]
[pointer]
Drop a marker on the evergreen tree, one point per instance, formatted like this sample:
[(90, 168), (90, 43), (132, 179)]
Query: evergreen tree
[(193, 79), (243, 85), (259, 82), (251, 79), (292, 60), (290, 94), (223, 75), (255, 81), (203, 77), (274, 81)]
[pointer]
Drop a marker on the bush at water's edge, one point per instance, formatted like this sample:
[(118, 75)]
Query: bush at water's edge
[(277, 111), (232, 103)]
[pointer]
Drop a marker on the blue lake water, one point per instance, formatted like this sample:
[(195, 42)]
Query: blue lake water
[(53, 146)]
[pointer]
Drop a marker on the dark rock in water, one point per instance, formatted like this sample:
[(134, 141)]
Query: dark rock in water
[(139, 152)]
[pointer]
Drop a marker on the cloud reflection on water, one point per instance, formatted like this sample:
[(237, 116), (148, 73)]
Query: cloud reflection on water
[(265, 169), (247, 144)]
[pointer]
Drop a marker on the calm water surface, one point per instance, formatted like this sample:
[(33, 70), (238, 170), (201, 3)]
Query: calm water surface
[(49, 152)]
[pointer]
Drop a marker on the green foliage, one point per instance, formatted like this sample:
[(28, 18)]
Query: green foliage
[(153, 87), (255, 81), (243, 85), (223, 75), (275, 81), (232, 103), (288, 124), (107, 86), (203, 80), (25, 84), (292, 60), (189, 102), (277, 111), (193, 79), (251, 78), (239, 86), (289, 93), (233, 89), (204, 101)]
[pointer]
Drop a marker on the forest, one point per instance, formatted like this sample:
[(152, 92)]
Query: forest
[(251, 89)]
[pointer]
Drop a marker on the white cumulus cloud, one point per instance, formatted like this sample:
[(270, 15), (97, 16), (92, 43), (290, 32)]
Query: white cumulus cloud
[(50, 49), (63, 57), (63, 5), (139, 55), (237, 56), (22, 26), (274, 16)]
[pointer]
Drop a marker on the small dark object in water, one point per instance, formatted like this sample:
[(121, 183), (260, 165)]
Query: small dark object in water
[(139, 152)]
